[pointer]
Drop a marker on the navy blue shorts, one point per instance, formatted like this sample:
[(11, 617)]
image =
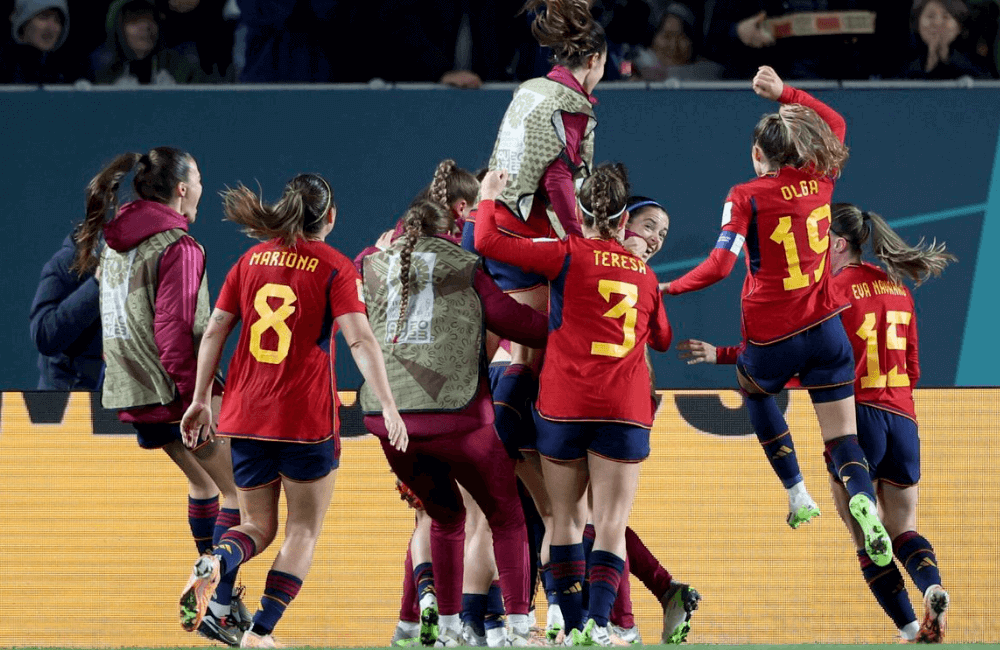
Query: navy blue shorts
[(573, 440), (260, 462), (821, 356), (891, 445), (514, 421), (154, 435)]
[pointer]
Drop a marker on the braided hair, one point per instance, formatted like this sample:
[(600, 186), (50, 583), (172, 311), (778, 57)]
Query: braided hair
[(423, 219), (604, 197)]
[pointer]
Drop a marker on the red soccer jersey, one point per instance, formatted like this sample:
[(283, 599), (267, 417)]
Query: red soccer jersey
[(281, 384), (604, 307), (882, 326), (784, 220)]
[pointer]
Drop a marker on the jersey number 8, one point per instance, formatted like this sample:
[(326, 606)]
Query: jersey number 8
[(272, 319)]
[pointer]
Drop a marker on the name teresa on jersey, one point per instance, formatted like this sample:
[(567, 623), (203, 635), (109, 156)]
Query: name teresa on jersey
[(285, 258), (619, 261), (877, 287), (804, 188)]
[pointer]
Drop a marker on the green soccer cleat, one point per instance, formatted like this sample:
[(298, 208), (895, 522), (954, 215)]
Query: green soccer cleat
[(877, 542), (802, 515), (429, 621), (678, 604)]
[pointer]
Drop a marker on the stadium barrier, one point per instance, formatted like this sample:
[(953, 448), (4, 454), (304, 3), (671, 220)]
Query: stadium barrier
[(95, 548)]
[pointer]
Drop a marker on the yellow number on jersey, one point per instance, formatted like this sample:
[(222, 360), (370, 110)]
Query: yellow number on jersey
[(625, 307), (272, 319), (874, 378), (783, 235)]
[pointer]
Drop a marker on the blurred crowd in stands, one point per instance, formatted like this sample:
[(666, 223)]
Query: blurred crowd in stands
[(464, 43)]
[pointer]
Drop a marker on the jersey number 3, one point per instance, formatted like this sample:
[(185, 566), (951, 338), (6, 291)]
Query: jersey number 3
[(272, 319), (873, 376), (625, 307)]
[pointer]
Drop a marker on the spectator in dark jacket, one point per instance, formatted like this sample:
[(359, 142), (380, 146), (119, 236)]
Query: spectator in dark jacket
[(38, 29), (937, 25), (198, 30), (135, 52), (66, 325)]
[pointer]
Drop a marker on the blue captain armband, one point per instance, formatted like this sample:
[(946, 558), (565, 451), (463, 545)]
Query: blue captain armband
[(731, 241)]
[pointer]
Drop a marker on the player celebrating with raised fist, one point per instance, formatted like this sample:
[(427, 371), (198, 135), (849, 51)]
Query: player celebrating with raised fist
[(789, 309)]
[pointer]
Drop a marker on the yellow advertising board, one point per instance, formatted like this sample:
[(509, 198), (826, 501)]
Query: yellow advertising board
[(95, 546)]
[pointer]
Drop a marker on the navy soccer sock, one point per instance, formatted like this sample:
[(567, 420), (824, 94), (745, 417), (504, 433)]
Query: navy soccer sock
[(201, 518), (568, 566), (917, 555), (772, 432), (886, 583), (604, 575), (279, 590), (851, 465)]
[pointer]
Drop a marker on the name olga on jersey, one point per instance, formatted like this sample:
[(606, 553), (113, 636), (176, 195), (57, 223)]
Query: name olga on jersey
[(803, 188), (619, 261), (285, 258)]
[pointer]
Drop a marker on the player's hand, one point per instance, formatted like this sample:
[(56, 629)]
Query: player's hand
[(753, 32), (197, 419), (665, 288), (493, 184), (398, 437), (695, 351), (767, 83), (385, 240)]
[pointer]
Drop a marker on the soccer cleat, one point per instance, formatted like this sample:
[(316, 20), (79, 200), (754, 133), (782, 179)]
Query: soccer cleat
[(625, 636), (448, 638), (198, 592), (678, 603), (936, 602), (251, 640), (222, 630), (472, 638), (877, 542), (404, 637), (496, 637), (802, 514), (592, 634), (239, 613), (428, 620), (525, 638), (554, 624)]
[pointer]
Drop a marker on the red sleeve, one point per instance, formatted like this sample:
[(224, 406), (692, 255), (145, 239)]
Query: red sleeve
[(181, 268), (509, 318), (795, 96), (229, 297), (912, 352), (346, 293), (726, 354), (558, 184), (719, 264), (542, 256), (660, 332)]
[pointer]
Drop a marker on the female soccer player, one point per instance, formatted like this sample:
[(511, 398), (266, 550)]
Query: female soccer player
[(788, 306), (593, 408), (546, 139), (429, 304), (882, 327), (154, 309), (280, 405)]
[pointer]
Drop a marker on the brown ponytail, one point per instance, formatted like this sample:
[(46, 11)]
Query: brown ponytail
[(796, 136), (300, 211), (901, 260), (102, 199), (157, 174), (568, 29), (423, 219), (603, 196), (451, 183)]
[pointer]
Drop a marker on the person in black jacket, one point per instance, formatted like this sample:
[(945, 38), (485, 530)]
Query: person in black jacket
[(66, 325)]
